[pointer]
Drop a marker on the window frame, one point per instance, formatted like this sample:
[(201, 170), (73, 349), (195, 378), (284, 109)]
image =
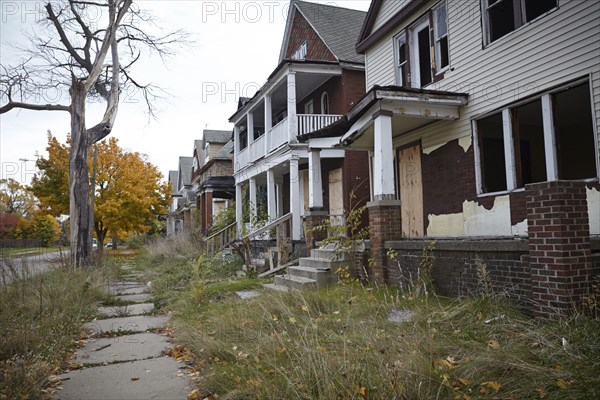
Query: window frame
[(413, 46), (519, 18), (325, 106), (402, 76), (550, 149), (437, 50)]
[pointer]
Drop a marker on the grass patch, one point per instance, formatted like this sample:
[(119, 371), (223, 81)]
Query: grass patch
[(26, 252), (39, 319), (337, 342)]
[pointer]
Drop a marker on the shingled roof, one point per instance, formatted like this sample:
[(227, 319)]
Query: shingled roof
[(185, 171), (212, 136), (338, 27), (226, 151)]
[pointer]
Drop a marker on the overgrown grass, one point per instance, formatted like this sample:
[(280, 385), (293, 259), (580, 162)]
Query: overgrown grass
[(40, 317), (338, 342)]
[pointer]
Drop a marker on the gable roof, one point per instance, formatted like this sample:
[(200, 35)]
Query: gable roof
[(173, 176), (185, 171), (338, 27), (213, 136), (367, 38), (226, 151)]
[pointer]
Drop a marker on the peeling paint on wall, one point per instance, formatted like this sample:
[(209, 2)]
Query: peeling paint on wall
[(520, 229), (448, 225), (431, 149), (480, 221), (465, 142), (593, 200)]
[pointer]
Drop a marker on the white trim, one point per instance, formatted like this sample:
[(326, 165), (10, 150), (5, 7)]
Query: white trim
[(415, 71), (549, 138), (437, 49), (509, 149), (477, 156), (594, 125), (401, 37)]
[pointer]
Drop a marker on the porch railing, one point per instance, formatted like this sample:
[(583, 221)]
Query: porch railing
[(221, 239), (313, 122), (278, 135)]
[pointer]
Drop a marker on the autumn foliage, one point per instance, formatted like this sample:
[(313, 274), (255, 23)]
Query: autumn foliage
[(129, 194)]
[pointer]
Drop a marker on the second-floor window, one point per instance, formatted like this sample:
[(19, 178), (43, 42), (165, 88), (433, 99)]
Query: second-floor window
[(500, 17), (416, 64)]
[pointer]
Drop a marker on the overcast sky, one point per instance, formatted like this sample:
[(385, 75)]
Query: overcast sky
[(235, 47)]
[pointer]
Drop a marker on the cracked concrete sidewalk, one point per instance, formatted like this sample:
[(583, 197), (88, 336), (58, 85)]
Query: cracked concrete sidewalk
[(124, 357)]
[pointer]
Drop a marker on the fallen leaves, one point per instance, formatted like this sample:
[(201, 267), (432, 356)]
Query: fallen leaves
[(565, 383), (494, 344), (487, 387), (135, 378)]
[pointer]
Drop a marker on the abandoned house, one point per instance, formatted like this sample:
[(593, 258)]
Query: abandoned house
[(482, 120), (320, 76)]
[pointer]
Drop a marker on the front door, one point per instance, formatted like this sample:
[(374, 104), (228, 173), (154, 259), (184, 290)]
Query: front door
[(411, 191)]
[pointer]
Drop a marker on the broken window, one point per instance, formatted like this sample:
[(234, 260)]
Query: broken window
[(243, 138), (574, 133), (569, 120), (402, 61), (491, 150), (528, 136), (504, 16), (441, 38), (423, 59)]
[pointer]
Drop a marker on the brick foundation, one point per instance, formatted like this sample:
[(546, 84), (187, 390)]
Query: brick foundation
[(311, 220), (385, 225), (559, 245)]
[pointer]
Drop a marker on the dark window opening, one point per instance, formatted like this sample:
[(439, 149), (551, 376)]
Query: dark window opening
[(535, 8), (574, 133), (441, 37), (501, 18), (491, 148), (424, 56), (530, 153), (243, 138), (444, 59), (402, 63)]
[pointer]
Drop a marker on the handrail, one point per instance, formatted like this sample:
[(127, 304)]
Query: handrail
[(269, 226), (219, 232)]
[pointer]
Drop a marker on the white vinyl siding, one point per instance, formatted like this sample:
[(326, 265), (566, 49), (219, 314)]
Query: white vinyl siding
[(552, 50), (388, 9)]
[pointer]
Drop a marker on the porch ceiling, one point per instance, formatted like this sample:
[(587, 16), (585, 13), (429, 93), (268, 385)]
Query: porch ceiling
[(411, 109)]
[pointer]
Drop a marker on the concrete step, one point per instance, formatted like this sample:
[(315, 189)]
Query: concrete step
[(274, 286), (295, 282), (329, 254), (324, 264), (322, 277)]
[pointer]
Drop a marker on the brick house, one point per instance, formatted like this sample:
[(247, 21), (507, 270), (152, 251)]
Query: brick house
[(319, 78), (482, 122), (212, 176)]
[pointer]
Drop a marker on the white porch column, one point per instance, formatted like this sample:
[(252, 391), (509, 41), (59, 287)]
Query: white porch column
[(549, 139), (383, 157), (252, 195), (291, 107), (315, 184), (295, 199), (271, 195), (268, 120), (250, 121), (236, 146), (238, 209)]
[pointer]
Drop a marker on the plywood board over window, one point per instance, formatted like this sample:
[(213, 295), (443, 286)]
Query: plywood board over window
[(411, 191), (336, 197)]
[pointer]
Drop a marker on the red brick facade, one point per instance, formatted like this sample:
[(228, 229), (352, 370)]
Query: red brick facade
[(385, 225), (301, 32), (559, 245)]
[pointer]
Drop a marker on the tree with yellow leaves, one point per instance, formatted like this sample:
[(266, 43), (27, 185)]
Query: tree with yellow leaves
[(129, 194)]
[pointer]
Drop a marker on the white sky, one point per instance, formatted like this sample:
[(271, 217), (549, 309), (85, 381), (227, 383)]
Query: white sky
[(236, 47)]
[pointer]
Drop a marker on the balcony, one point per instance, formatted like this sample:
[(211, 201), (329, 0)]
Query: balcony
[(279, 135)]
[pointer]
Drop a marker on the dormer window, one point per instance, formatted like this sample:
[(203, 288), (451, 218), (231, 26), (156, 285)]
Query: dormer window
[(501, 17), (300, 54)]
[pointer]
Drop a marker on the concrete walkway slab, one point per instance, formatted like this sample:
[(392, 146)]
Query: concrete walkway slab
[(129, 310), (139, 380), (138, 323), (122, 348), (120, 290), (135, 298)]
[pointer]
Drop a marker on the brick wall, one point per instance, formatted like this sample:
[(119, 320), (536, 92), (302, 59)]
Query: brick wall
[(301, 32), (559, 245), (385, 225)]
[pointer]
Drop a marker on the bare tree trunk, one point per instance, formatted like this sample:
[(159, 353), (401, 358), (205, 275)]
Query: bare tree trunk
[(79, 185)]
